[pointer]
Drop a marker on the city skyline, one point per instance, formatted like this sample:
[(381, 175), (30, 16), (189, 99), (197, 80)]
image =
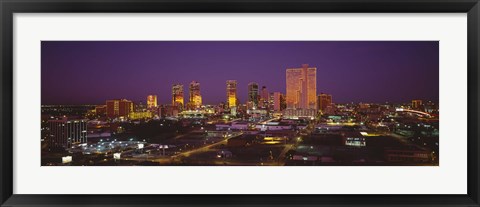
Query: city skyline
[(240, 109), (371, 71)]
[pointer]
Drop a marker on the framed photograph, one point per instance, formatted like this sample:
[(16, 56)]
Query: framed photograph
[(239, 103)]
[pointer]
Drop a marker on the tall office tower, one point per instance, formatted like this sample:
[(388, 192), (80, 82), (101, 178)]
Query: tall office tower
[(324, 101), (232, 100), (252, 95), (177, 95), (119, 107), (302, 87), (264, 97), (417, 104), (195, 100), (283, 102), (151, 101), (64, 133), (271, 101), (277, 96)]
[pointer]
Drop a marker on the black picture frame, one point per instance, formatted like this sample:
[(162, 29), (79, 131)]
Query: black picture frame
[(10, 7)]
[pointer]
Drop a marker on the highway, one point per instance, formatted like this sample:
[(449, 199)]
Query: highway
[(204, 148), (281, 157)]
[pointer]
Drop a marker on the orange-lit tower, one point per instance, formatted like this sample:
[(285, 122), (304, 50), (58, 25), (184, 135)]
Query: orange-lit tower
[(177, 95), (416, 104), (195, 98), (232, 100), (301, 87), (151, 101)]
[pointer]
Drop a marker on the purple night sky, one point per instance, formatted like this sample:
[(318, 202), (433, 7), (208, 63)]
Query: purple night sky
[(90, 72)]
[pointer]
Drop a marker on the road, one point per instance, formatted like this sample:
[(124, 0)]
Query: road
[(204, 148), (187, 153), (281, 157), (266, 121)]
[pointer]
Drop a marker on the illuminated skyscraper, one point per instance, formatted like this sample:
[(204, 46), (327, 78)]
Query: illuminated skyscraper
[(324, 101), (119, 107), (151, 101), (416, 104), (195, 100), (177, 95), (263, 97), (232, 100), (302, 87), (252, 95)]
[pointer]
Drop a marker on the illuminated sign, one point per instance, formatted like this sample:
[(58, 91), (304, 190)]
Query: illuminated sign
[(140, 146), (357, 142), (163, 147), (116, 156), (67, 159)]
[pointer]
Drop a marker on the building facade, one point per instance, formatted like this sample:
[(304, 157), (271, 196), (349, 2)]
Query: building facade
[(119, 108), (252, 95), (140, 115), (151, 101), (64, 133), (324, 101), (101, 110), (232, 99), (263, 103), (276, 101), (417, 104), (299, 113), (177, 96), (301, 87), (195, 98)]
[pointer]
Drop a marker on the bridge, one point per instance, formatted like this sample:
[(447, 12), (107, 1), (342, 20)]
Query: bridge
[(413, 111)]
